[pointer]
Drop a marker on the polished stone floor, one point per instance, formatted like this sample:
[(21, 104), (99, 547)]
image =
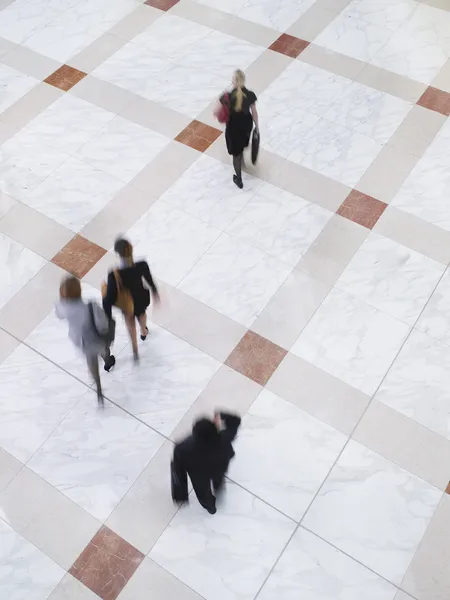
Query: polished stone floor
[(315, 302)]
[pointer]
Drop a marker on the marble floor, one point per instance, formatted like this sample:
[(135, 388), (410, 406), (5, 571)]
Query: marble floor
[(314, 302)]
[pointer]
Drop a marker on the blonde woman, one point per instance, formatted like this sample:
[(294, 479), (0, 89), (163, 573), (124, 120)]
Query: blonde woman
[(241, 104)]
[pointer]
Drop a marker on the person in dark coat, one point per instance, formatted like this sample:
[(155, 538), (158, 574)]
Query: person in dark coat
[(242, 115), (204, 456), (131, 275)]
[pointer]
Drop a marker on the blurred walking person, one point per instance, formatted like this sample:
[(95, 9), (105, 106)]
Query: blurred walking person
[(125, 289), (240, 106), (204, 456), (89, 328)]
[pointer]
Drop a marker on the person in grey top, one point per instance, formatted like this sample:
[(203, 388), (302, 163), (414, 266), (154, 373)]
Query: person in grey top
[(89, 328)]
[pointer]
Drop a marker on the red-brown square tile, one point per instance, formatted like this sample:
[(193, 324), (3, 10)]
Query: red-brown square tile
[(436, 100), (256, 357), (65, 78), (361, 209), (289, 45), (78, 256), (162, 4), (106, 564), (199, 136), (447, 489)]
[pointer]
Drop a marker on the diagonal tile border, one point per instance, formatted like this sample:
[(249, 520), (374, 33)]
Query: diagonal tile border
[(106, 564)]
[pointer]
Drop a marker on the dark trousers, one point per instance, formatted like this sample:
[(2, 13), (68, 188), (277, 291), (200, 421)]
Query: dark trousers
[(204, 486)]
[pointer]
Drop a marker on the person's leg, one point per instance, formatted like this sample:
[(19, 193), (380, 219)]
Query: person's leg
[(143, 325), (130, 322), (218, 482), (108, 358), (202, 488), (92, 363), (237, 164)]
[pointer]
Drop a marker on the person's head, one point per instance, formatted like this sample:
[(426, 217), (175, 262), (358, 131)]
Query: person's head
[(205, 431), (70, 288), (239, 83), (124, 249)]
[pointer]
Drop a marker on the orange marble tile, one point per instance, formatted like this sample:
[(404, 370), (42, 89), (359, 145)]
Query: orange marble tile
[(436, 100), (362, 209), (65, 78), (256, 357), (289, 45), (162, 4), (78, 256), (106, 564), (447, 489), (199, 136)]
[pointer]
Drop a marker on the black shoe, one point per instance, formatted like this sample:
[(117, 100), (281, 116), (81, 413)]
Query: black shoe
[(110, 363), (212, 511), (238, 181), (144, 337)]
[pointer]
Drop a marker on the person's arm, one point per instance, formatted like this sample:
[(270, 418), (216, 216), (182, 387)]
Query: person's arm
[(149, 279), (178, 475), (111, 295), (58, 310), (230, 425), (255, 116)]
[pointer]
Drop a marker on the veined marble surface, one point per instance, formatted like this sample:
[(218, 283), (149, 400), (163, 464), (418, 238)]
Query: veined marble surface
[(283, 455), (373, 510), (351, 340), (435, 318), (226, 556), (13, 85), (311, 569), (391, 277), (417, 384)]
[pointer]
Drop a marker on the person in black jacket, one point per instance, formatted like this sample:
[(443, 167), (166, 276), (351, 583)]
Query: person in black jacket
[(131, 276), (204, 456)]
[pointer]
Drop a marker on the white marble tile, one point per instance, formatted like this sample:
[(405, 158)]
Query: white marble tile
[(369, 111), (279, 223), (171, 35), (50, 338), (65, 125), (171, 377), (172, 241), (336, 151), (186, 88), (25, 571), (420, 48), (133, 67), (13, 85), (351, 340), (74, 194), (302, 86), (417, 385), (388, 14), (122, 148), (374, 511), (424, 193), (9, 467), (435, 319), (278, 15), (18, 265), (228, 555), (235, 279), (95, 455), (23, 17), (391, 277), (353, 37), (63, 37), (284, 454), (311, 569), (220, 53), (206, 191), (35, 396)]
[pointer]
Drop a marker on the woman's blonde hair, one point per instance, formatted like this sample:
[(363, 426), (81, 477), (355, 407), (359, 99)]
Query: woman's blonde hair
[(239, 82)]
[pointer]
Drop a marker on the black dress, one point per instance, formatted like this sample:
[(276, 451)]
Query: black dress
[(131, 278), (240, 123)]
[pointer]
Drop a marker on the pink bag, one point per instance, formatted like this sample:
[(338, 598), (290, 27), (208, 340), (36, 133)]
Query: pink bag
[(222, 113)]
